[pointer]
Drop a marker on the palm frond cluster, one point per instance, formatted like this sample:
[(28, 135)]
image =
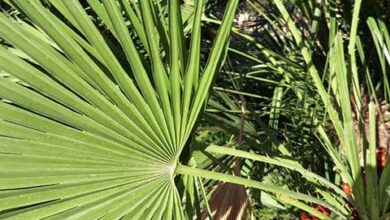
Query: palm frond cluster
[(194, 109)]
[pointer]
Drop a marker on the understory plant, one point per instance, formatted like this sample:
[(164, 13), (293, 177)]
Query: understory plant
[(315, 80)]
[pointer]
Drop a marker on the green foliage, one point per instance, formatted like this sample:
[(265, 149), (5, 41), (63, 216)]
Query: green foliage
[(304, 71), (95, 124), (118, 109), (273, 214)]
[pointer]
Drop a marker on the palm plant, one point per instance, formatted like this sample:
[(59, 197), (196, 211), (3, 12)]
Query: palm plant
[(100, 100), (86, 133), (301, 50), (98, 104)]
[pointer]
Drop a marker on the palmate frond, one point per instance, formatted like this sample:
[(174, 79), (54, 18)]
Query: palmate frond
[(82, 136)]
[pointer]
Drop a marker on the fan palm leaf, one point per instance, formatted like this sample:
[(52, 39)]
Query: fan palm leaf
[(82, 136)]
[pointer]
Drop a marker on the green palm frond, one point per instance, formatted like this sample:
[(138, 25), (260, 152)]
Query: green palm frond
[(84, 136)]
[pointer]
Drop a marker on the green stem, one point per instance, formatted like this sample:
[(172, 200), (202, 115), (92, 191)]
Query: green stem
[(277, 190), (282, 162)]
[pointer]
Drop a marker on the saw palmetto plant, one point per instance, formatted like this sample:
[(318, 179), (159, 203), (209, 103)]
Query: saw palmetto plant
[(105, 110), (316, 81), (96, 110)]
